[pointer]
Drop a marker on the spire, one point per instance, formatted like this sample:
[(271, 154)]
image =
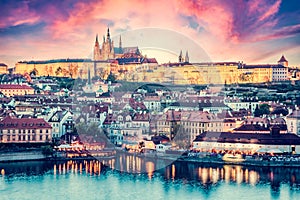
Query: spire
[(120, 42), (108, 34), (97, 39), (282, 59), (180, 57), (187, 59)]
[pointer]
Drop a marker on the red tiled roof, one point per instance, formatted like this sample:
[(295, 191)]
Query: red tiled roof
[(141, 117), (15, 87), (137, 105), (24, 123)]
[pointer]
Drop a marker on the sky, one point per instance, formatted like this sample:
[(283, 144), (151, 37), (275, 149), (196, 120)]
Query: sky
[(252, 31)]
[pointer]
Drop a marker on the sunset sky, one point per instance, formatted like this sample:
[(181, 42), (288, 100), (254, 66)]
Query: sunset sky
[(251, 31)]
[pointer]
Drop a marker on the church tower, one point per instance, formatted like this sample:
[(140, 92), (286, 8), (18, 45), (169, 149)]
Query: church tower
[(97, 49), (187, 59), (283, 61), (107, 50), (180, 57)]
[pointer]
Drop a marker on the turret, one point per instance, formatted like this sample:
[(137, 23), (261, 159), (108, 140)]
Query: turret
[(96, 42), (187, 59), (283, 61), (96, 49), (180, 58), (108, 35)]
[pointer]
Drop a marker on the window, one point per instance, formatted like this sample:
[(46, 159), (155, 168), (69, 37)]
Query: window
[(41, 137)]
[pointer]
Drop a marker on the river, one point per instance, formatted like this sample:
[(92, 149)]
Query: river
[(141, 178)]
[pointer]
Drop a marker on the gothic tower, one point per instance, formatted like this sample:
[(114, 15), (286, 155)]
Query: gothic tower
[(107, 50), (187, 59), (97, 49), (180, 57)]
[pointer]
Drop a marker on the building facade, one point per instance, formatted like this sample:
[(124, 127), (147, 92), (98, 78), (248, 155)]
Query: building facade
[(247, 143), (25, 130), (10, 90), (293, 122), (3, 68)]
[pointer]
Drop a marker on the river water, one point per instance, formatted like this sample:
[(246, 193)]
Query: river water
[(177, 180)]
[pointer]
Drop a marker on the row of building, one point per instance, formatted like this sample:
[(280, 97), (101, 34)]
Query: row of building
[(128, 63), (135, 67)]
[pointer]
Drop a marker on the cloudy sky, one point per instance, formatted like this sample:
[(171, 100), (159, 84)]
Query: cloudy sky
[(253, 31)]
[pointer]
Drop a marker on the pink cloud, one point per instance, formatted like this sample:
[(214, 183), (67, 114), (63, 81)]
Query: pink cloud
[(226, 30), (21, 14)]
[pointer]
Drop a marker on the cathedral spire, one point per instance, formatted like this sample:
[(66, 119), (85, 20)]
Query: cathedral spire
[(96, 49), (97, 39), (187, 59), (108, 34), (180, 58)]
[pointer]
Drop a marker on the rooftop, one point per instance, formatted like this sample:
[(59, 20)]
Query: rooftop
[(15, 86), (23, 123)]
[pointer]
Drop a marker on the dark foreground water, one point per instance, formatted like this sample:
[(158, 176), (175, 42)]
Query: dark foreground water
[(179, 180)]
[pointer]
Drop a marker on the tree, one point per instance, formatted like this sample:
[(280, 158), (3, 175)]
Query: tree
[(34, 72), (111, 78), (47, 150), (181, 138), (263, 109), (91, 129), (58, 71)]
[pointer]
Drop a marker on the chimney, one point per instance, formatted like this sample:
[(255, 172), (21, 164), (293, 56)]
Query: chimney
[(275, 131)]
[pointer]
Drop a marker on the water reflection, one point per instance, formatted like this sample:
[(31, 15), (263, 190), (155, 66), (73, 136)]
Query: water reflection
[(195, 174)]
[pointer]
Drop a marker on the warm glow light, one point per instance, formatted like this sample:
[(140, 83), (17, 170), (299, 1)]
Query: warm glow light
[(239, 175), (173, 171), (150, 169), (54, 169), (2, 172), (215, 175), (253, 177), (204, 175)]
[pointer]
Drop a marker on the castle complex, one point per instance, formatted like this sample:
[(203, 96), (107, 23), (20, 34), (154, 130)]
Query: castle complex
[(127, 63), (108, 51)]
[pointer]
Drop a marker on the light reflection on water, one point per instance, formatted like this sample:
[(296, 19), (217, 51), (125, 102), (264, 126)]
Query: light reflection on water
[(179, 179)]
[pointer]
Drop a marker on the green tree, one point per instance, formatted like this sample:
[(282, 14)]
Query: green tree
[(47, 150), (91, 129), (111, 78), (181, 138), (263, 109)]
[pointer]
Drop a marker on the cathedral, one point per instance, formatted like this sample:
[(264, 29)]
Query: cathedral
[(107, 51), (183, 60)]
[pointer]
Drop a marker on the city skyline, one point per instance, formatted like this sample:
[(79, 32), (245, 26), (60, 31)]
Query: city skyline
[(249, 31)]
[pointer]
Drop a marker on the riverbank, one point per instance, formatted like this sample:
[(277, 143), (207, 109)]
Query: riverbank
[(38, 155), (22, 156)]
